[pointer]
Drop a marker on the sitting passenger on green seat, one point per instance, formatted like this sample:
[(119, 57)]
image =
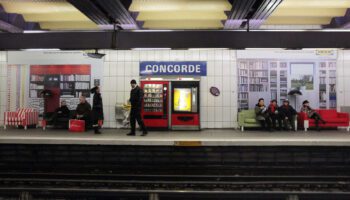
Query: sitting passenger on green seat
[(262, 115), (287, 114), (273, 114), (312, 114)]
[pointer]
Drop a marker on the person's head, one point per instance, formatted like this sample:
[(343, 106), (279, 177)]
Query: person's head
[(133, 83), (274, 102), (261, 102), (286, 102), (95, 89), (306, 103), (82, 99), (63, 103)]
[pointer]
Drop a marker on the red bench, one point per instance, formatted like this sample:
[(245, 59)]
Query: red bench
[(332, 118)]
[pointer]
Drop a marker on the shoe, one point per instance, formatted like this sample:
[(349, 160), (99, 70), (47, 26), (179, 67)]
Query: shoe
[(131, 134), (144, 133), (97, 132)]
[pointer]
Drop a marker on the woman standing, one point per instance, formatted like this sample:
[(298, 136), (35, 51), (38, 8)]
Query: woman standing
[(97, 109)]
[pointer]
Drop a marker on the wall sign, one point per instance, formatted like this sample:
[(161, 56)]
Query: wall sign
[(193, 68), (214, 91)]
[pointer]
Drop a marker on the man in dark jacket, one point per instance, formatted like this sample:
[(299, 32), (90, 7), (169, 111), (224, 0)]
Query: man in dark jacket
[(84, 111), (60, 112), (136, 96), (97, 109), (287, 114)]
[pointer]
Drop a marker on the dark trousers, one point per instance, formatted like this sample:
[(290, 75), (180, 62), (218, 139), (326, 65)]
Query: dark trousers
[(87, 122), (274, 118), (265, 124), (317, 117), (288, 121), (135, 115)]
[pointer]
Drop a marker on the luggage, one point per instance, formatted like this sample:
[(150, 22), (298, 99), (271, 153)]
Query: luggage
[(76, 125)]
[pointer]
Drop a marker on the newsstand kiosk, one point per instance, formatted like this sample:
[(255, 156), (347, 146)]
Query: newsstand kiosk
[(171, 94)]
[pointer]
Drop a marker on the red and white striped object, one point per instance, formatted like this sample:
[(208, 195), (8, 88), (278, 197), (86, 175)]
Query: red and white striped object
[(23, 117)]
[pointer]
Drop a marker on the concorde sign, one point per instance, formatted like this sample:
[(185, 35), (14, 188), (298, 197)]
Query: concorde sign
[(170, 68)]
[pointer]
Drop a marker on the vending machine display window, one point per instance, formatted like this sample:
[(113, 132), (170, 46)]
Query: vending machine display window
[(182, 99)]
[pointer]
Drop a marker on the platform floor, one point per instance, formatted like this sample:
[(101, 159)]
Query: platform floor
[(208, 137)]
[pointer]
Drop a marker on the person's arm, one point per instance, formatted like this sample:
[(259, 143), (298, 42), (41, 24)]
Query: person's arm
[(140, 96)]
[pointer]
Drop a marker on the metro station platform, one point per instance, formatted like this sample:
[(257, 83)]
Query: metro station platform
[(207, 137)]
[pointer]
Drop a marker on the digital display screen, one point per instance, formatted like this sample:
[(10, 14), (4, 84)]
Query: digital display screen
[(182, 99)]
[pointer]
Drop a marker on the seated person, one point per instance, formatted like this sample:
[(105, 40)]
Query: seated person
[(273, 114), (61, 112), (287, 115), (83, 111), (262, 115), (312, 114)]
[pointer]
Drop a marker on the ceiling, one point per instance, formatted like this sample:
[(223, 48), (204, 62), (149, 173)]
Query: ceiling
[(20, 15), (308, 12)]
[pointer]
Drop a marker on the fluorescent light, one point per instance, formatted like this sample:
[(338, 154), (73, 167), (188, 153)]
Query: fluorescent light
[(186, 79), (147, 49), (156, 79), (201, 49), (40, 49)]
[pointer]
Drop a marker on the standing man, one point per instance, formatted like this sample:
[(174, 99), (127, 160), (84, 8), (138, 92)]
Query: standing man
[(97, 109), (136, 96)]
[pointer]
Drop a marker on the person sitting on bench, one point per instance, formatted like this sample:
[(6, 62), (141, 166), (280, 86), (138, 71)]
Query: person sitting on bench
[(312, 114), (83, 111), (60, 115), (287, 115)]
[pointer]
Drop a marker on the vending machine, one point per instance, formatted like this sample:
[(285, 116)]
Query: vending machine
[(155, 111), (185, 105)]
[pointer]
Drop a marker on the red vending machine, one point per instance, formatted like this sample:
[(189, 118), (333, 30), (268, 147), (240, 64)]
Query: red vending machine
[(155, 104), (185, 105)]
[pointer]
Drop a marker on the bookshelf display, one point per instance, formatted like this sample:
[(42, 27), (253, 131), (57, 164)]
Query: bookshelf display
[(283, 87), (66, 82), (327, 85)]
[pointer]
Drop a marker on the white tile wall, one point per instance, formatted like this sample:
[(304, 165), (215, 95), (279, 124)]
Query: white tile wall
[(122, 66)]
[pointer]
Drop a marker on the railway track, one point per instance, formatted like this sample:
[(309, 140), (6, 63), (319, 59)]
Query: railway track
[(186, 185)]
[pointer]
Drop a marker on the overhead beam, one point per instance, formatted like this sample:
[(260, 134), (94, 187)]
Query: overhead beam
[(175, 40)]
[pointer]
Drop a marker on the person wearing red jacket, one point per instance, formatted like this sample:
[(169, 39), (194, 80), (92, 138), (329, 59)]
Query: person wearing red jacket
[(274, 114)]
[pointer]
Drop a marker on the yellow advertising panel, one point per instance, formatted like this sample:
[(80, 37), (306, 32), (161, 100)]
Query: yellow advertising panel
[(182, 99)]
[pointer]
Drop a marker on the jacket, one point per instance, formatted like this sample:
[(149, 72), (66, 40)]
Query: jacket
[(261, 112), (84, 109), (97, 107), (136, 96), (287, 111), (62, 111)]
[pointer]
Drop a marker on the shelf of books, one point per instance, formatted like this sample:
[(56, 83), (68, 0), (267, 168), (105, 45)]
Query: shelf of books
[(323, 85), (332, 73), (273, 80), (283, 80), (243, 85)]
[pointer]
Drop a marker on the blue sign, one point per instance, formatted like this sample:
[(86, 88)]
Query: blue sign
[(193, 68)]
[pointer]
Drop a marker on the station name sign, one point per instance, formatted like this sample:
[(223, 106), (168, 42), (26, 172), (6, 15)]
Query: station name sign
[(169, 68)]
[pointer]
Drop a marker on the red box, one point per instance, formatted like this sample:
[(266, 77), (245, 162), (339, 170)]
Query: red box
[(76, 125)]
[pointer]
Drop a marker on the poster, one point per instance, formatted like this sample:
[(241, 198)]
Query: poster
[(273, 74)]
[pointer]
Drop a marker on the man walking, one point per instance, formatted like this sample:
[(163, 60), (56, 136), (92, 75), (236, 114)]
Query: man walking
[(136, 96)]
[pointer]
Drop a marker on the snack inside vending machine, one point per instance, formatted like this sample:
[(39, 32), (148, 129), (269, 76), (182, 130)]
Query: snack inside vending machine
[(155, 111)]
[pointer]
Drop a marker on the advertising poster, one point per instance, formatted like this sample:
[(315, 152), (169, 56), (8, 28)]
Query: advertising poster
[(272, 74)]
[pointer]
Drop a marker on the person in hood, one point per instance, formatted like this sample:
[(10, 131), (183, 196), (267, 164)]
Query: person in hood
[(262, 115), (274, 114), (312, 114), (287, 115), (97, 109)]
